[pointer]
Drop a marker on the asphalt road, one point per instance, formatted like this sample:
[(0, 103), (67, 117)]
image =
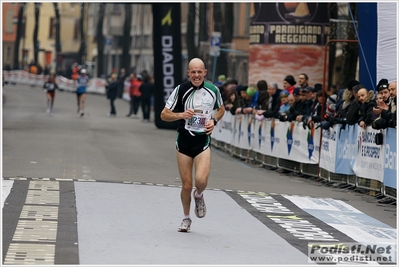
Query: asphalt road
[(109, 155)]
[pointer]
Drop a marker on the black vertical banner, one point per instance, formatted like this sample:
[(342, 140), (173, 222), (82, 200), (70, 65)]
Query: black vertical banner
[(167, 56)]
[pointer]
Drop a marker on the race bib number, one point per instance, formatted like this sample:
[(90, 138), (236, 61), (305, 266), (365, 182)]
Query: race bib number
[(197, 122)]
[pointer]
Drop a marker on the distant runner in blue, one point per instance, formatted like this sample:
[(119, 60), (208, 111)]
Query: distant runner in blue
[(82, 82)]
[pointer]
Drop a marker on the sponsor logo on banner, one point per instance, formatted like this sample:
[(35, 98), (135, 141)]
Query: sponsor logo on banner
[(310, 142), (290, 139), (167, 55), (260, 134), (249, 131), (272, 128), (240, 133), (370, 160)]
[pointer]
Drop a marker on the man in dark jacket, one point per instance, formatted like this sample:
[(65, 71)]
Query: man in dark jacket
[(274, 102), (147, 90), (121, 81), (294, 110), (386, 111), (112, 93), (307, 103), (354, 111)]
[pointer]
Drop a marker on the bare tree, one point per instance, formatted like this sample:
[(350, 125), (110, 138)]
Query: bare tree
[(35, 33), (332, 46), (223, 15), (57, 33), (350, 51), (100, 40), (20, 28), (203, 23), (82, 48), (192, 50), (127, 39)]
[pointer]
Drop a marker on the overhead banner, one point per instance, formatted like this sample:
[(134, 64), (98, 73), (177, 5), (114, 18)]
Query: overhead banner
[(378, 36), (167, 56), (288, 39), (387, 41)]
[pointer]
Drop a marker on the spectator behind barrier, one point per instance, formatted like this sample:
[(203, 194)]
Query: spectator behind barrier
[(263, 96), (289, 83), (244, 105), (285, 106), (317, 111), (306, 107), (273, 103), (233, 102), (367, 100), (387, 113), (352, 111), (293, 112)]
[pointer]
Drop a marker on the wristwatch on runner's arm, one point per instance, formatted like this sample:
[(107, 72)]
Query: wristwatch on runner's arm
[(215, 121)]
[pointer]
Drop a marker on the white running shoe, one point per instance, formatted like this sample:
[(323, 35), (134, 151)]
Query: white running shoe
[(48, 111), (185, 225), (200, 207)]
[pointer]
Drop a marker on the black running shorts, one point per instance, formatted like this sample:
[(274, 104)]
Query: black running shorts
[(192, 145)]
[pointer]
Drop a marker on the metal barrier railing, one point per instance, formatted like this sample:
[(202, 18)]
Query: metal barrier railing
[(307, 169)]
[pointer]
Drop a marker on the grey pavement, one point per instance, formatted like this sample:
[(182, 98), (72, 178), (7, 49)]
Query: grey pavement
[(96, 190)]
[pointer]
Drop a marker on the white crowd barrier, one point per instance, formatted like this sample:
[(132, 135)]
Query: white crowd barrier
[(344, 152), (23, 77)]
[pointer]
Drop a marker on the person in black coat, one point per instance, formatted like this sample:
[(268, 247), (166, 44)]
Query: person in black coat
[(367, 100), (353, 111), (112, 93), (293, 112), (305, 109), (147, 90), (273, 104)]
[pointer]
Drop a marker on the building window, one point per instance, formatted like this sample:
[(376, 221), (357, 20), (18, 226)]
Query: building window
[(247, 18), (51, 34), (236, 30), (48, 57), (10, 21), (116, 9), (23, 27), (8, 54), (76, 30)]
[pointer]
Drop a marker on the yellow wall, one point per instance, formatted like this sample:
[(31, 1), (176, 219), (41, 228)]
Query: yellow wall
[(68, 16)]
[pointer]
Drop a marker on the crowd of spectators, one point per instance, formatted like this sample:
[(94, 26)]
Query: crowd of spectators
[(313, 106)]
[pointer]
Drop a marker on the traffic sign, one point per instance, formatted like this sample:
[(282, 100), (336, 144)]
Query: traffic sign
[(214, 49)]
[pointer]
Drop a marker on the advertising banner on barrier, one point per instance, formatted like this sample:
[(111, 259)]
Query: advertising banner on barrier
[(240, 134), (370, 157), (347, 149), (262, 137), (350, 150), (224, 129), (252, 141), (295, 143), (96, 85), (329, 149), (390, 158)]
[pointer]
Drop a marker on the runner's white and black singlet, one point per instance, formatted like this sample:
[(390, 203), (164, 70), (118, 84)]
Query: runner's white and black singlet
[(203, 100)]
